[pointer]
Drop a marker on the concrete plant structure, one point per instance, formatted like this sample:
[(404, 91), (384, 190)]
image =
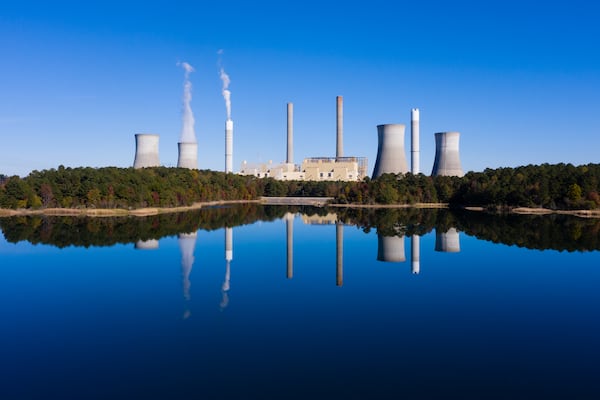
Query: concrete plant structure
[(447, 242), (390, 150), (228, 146), (146, 150), (334, 169), (188, 155), (414, 142), (447, 160), (390, 248)]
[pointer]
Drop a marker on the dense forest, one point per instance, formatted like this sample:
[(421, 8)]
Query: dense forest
[(559, 186)]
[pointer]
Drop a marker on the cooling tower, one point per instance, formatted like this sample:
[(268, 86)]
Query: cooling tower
[(390, 248), (390, 150), (188, 155), (339, 142), (228, 146), (415, 251), (414, 141), (290, 133), (447, 160), (447, 242), (146, 150)]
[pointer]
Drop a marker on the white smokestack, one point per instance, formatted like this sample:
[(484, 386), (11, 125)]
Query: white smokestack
[(187, 130), (414, 141)]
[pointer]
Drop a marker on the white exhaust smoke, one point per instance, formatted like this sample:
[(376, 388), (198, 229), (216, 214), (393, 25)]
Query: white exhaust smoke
[(187, 130)]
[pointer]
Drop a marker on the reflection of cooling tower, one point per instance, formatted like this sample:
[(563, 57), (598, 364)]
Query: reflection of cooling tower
[(339, 254), (151, 244), (188, 155), (447, 160), (414, 141), (415, 251), (390, 248), (289, 227), (339, 142), (390, 150), (290, 133), (229, 146), (187, 244), (448, 242), (146, 150)]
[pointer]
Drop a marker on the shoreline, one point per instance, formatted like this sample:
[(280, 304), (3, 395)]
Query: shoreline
[(287, 201)]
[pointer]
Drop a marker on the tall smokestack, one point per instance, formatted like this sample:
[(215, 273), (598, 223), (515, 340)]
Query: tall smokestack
[(146, 151), (339, 148), (290, 133), (447, 159), (414, 141), (229, 146)]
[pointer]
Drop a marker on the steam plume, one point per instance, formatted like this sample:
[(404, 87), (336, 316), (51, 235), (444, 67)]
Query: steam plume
[(187, 130), (226, 92)]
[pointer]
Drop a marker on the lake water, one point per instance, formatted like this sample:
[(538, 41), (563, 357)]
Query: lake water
[(286, 303)]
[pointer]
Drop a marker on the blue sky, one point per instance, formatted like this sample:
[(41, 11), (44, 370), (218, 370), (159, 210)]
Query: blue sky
[(519, 79)]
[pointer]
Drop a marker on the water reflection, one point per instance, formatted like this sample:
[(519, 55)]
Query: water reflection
[(390, 248), (187, 245), (415, 252), (151, 244), (289, 229), (228, 259), (339, 254), (448, 241)]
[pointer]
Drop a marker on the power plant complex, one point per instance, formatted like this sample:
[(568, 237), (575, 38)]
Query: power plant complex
[(391, 154)]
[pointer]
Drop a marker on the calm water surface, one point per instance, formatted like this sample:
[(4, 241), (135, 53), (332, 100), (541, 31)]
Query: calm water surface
[(298, 307)]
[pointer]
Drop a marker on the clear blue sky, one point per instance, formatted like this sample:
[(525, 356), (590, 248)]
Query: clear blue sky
[(519, 79)]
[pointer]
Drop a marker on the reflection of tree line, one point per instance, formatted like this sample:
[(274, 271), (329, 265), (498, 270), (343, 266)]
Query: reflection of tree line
[(559, 232)]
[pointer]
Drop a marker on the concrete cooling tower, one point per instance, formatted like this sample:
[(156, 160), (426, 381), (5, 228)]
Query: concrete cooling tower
[(447, 160), (188, 155), (390, 248), (146, 150), (390, 150)]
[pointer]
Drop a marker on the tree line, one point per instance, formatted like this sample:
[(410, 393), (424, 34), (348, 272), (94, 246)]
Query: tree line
[(558, 186)]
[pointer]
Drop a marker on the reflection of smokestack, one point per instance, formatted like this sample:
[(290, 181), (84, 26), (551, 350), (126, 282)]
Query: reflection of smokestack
[(151, 244), (229, 146), (228, 258), (447, 242), (188, 155), (415, 252), (290, 133), (289, 227), (339, 148), (390, 248), (390, 150), (447, 159), (146, 150), (339, 254), (187, 244), (414, 141)]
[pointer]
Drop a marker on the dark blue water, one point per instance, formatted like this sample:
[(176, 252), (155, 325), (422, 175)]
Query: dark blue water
[(481, 321)]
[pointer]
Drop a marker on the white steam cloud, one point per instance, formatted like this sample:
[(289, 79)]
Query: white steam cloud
[(226, 92), (187, 130)]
